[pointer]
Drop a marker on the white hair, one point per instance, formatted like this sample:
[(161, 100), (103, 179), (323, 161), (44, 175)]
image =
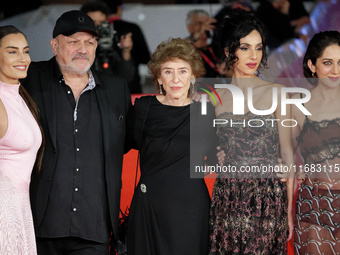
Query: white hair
[(198, 12)]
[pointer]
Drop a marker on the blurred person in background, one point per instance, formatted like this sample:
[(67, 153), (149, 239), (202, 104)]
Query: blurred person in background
[(113, 54), (140, 51), (200, 27), (283, 20)]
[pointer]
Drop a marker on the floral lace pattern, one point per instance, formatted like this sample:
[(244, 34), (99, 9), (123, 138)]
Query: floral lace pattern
[(323, 150), (248, 213)]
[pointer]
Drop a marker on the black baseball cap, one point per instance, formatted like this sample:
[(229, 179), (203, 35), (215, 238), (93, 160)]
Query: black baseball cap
[(72, 22)]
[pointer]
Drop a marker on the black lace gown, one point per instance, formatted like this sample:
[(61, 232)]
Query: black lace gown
[(169, 211)]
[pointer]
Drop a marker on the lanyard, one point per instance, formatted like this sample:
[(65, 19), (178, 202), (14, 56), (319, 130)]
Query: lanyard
[(114, 18), (206, 59)]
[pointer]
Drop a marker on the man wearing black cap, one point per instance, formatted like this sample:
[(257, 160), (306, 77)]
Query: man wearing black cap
[(75, 198)]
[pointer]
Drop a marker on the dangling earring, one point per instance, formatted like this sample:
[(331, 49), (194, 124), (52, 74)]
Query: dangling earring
[(192, 87), (160, 89), (313, 75)]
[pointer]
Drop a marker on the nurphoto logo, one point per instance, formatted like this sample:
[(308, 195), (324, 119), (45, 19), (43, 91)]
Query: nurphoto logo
[(239, 101)]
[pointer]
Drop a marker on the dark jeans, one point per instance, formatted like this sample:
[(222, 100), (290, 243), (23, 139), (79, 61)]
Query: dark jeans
[(71, 246)]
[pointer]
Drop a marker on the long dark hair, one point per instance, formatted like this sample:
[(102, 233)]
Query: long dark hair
[(4, 31), (235, 27), (316, 48)]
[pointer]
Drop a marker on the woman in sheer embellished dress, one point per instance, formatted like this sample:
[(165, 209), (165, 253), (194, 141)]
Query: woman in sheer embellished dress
[(317, 222)]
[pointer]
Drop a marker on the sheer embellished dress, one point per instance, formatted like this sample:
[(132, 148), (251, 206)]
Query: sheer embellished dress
[(317, 222), (169, 211), (18, 150), (248, 212)]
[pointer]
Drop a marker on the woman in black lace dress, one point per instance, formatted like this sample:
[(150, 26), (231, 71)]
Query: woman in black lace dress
[(251, 212), (317, 221)]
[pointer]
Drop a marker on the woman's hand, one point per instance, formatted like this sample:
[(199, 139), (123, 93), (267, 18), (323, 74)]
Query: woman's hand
[(290, 225), (196, 97), (301, 176), (283, 175)]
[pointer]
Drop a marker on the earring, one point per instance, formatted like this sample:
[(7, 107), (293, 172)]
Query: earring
[(313, 75), (160, 89)]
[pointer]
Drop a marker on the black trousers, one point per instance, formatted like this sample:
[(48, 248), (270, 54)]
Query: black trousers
[(71, 246)]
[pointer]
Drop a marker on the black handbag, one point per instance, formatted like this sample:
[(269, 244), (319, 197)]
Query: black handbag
[(121, 243)]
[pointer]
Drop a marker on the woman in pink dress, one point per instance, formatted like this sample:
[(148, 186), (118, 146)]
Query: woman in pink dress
[(20, 140)]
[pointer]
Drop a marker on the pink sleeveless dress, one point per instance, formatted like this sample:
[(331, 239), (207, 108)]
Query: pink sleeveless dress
[(18, 150)]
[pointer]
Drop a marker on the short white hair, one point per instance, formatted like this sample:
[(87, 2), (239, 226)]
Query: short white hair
[(198, 12)]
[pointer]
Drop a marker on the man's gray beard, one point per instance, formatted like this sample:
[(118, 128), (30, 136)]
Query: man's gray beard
[(73, 70)]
